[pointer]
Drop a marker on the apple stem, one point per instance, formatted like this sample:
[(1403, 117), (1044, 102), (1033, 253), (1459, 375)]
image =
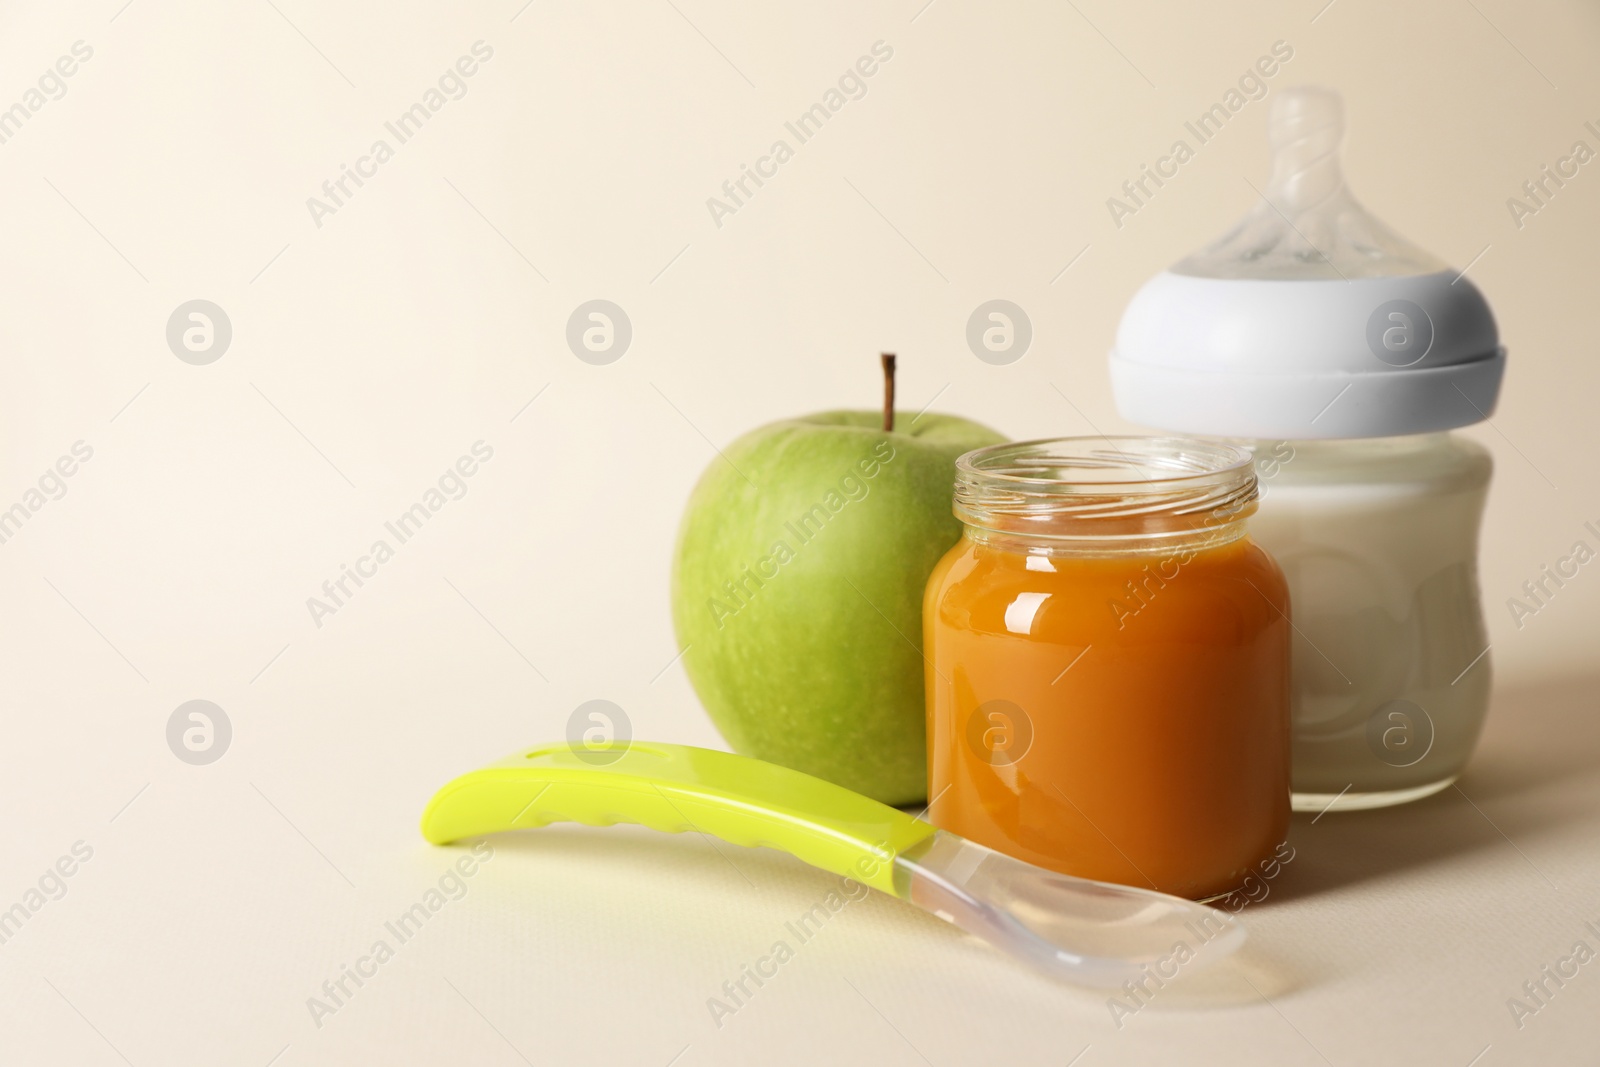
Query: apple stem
[(888, 391)]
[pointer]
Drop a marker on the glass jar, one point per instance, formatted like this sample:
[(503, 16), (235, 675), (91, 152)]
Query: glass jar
[(1108, 663), (1379, 541)]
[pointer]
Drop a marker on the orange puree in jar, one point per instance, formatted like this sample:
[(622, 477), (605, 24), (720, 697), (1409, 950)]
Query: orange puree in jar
[(1108, 664)]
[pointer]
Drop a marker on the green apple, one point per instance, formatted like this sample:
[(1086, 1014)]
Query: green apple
[(797, 591)]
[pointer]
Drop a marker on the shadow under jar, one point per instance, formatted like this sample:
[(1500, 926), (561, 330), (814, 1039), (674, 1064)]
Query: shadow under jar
[(1108, 663)]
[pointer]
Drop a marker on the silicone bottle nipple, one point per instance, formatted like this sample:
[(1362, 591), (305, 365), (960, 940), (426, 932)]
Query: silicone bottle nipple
[(1306, 224)]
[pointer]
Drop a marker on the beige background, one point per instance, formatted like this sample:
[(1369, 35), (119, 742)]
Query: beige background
[(369, 353)]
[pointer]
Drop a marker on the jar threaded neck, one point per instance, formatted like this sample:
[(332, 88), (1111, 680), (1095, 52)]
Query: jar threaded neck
[(1107, 489)]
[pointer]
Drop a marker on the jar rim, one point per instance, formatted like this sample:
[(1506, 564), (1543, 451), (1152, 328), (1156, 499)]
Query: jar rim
[(1189, 458), (1120, 487)]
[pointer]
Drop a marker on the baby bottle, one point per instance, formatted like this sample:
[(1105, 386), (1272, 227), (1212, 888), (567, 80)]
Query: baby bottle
[(1341, 355)]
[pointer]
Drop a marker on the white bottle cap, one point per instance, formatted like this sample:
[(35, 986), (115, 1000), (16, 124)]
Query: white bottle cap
[(1310, 319)]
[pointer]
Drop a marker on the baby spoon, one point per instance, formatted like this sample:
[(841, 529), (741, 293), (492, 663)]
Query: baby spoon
[(1090, 933)]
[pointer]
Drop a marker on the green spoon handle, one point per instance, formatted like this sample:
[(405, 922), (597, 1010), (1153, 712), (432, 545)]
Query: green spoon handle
[(674, 788)]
